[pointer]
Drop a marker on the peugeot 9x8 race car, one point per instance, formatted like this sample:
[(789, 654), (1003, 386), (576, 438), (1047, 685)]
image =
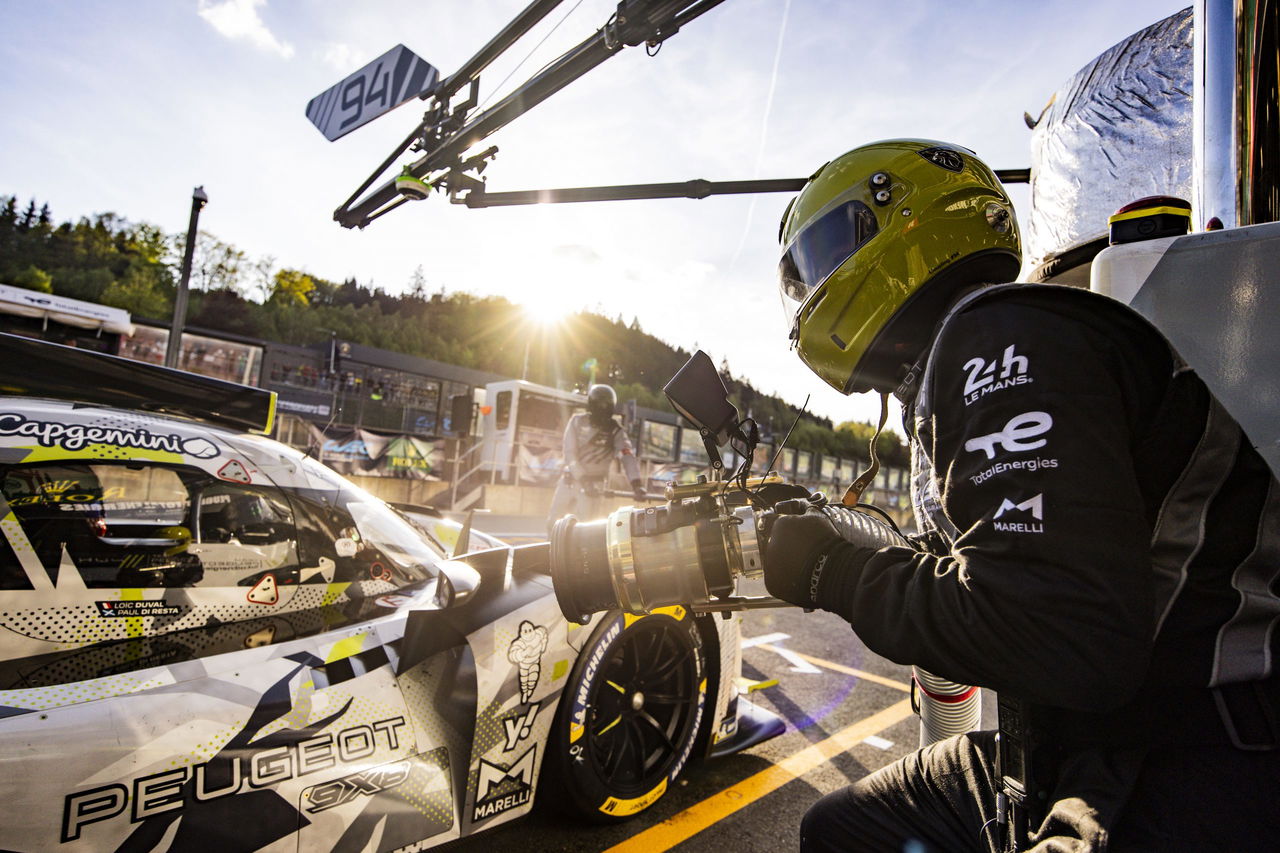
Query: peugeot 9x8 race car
[(209, 641)]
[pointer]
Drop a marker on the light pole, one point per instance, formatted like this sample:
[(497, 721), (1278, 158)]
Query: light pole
[(198, 200)]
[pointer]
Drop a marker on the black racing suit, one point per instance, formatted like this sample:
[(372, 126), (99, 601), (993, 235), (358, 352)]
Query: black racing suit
[(1103, 544)]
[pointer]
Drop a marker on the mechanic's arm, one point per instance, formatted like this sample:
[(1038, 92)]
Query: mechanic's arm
[(571, 449), (1047, 590), (626, 454)]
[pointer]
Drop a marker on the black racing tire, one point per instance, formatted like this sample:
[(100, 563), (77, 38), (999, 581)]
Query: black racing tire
[(629, 718)]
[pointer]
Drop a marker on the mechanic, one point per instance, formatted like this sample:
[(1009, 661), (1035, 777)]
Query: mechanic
[(592, 440), (1099, 542)]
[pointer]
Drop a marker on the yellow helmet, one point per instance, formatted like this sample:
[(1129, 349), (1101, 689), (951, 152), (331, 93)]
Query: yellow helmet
[(875, 247)]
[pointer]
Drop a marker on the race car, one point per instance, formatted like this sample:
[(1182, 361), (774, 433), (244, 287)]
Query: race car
[(210, 641)]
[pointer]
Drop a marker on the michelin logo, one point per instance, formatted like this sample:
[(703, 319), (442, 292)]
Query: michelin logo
[(983, 380), (1019, 434), (1033, 505)]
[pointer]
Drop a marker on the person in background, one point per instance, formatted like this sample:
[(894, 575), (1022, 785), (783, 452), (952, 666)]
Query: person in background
[(592, 440)]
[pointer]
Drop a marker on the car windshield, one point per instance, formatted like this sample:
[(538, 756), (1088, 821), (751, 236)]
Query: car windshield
[(378, 527)]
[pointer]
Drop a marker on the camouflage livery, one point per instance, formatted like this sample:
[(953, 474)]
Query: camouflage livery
[(211, 642)]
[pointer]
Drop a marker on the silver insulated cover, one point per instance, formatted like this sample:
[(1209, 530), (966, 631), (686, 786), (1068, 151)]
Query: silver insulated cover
[(1119, 130)]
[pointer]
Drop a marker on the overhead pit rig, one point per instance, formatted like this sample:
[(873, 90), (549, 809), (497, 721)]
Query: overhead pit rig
[(448, 131), (1215, 142)]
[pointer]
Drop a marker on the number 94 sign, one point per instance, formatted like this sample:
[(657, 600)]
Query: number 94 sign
[(397, 76)]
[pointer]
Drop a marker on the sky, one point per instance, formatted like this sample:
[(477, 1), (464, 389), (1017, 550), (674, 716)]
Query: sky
[(126, 106)]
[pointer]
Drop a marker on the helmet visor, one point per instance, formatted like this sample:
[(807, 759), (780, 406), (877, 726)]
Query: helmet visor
[(820, 249)]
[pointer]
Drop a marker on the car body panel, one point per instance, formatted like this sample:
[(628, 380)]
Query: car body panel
[(259, 687)]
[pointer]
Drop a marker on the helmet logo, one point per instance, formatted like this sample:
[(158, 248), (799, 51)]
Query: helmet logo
[(944, 157)]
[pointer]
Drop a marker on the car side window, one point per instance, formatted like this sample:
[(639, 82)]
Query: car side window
[(124, 525)]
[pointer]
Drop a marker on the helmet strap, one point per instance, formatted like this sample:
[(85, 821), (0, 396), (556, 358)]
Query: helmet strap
[(853, 494)]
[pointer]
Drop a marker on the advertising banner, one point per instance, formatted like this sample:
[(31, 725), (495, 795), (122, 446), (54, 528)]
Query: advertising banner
[(358, 451), (538, 466)]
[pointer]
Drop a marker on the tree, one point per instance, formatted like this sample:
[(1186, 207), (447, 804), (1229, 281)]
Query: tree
[(140, 296), (292, 287), (33, 278), (215, 265), (262, 277), (418, 283)]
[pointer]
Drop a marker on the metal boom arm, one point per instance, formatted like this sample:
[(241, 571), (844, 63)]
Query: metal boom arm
[(446, 136), (477, 196)]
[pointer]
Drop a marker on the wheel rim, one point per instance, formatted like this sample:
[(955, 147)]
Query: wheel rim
[(644, 706)]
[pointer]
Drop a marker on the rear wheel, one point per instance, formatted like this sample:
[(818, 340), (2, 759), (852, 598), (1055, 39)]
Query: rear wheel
[(630, 715)]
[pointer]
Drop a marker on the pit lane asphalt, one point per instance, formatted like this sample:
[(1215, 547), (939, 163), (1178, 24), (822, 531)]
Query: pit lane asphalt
[(847, 713)]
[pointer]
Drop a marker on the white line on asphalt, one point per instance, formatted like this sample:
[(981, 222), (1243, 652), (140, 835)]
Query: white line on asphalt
[(770, 642), (748, 642)]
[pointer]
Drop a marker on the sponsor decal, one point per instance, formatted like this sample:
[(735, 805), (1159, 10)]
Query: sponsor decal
[(519, 727), (815, 577), (1032, 465), (1033, 505), (239, 565), (78, 436), (235, 472), (525, 652), (625, 808), (944, 157), (500, 789), (983, 379), (367, 784), (319, 409), (578, 725), (726, 729), (678, 768), (1019, 434), (131, 609), (67, 491), (265, 591), (175, 790)]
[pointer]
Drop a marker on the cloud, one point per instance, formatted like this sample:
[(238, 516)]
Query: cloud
[(578, 252), (341, 57), (239, 20)]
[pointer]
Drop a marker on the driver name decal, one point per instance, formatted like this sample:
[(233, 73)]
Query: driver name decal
[(78, 436), (129, 609)]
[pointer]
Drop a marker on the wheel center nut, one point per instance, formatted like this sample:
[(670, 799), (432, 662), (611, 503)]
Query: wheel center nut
[(637, 701)]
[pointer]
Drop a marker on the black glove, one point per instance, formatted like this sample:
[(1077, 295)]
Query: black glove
[(637, 490), (809, 564)]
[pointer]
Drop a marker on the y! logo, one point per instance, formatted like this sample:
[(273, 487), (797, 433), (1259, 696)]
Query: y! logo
[(983, 380), (1016, 435), (519, 727)]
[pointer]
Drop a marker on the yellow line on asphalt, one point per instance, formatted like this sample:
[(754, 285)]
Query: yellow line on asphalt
[(847, 670), (717, 807)]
